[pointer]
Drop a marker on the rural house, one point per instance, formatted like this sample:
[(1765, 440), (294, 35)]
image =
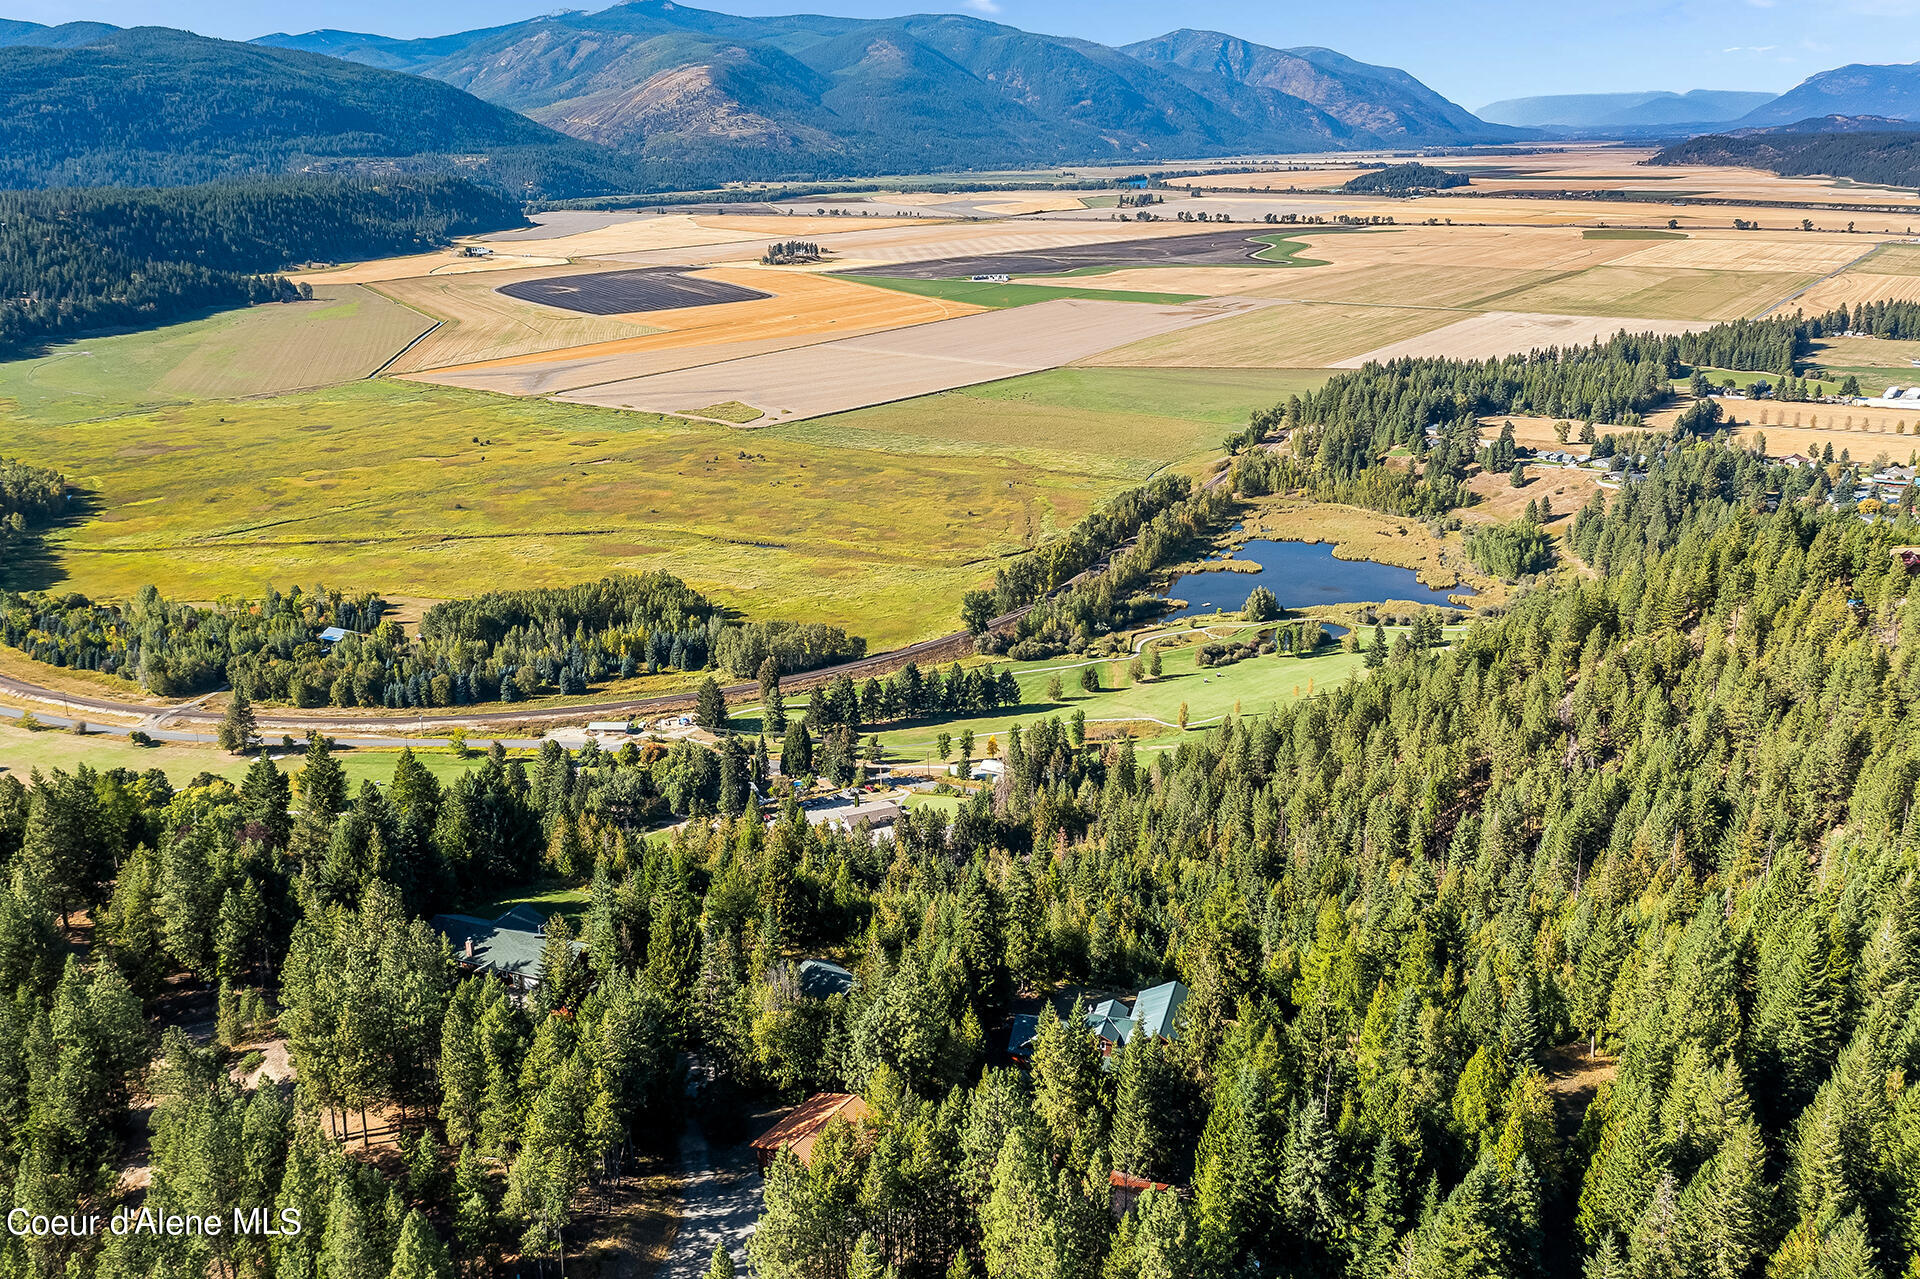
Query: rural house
[(508, 947), (804, 1124), (1113, 1021)]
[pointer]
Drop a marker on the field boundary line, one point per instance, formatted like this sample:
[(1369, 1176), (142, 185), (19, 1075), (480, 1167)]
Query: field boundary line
[(1800, 292)]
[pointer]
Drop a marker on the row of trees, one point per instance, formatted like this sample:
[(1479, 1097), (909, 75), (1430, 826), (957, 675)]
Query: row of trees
[(505, 645)]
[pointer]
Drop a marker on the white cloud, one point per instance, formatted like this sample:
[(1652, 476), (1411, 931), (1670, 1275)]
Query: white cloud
[(982, 6)]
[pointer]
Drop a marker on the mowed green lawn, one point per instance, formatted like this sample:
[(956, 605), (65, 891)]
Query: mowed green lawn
[(22, 751), (346, 332), (1251, 687)]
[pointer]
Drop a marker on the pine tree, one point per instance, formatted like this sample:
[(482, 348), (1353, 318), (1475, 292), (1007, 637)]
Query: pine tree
[(721, 1267), (710, 707), (420, 1254), (773, 704), (238, 733)]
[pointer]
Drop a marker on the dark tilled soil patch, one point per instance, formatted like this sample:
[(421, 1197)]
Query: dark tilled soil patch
[(624, 292)]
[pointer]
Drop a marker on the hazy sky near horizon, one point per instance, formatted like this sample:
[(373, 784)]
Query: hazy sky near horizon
[(1474, 51)]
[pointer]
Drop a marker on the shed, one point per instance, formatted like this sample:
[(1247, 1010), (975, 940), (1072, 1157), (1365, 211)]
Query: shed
[(803, 1125), (334, 634)]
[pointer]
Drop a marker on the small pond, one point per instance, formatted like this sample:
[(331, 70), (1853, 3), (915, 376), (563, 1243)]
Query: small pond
[(1302, 575)]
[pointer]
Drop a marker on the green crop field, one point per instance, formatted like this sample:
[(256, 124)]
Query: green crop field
[(346, 332), (1001, 296), (425, 492), (1630, 233), (1124, 424)]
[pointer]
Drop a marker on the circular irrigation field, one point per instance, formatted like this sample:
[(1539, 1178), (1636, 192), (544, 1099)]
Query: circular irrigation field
[(624, 292)]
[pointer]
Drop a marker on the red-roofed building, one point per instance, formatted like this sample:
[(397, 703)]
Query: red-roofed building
[(804, 1124), (1124, 1190)]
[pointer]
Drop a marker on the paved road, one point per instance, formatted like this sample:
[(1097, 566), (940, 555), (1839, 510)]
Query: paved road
[(719, 1202)]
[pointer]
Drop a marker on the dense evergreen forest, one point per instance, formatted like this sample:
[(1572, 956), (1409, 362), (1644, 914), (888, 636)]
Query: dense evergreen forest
[(72, 260), (1430, 407), (1405, 179), (504, 646), (1890, 159), (1587, 943)]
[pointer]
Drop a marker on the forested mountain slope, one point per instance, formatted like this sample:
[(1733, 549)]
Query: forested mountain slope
[(815, 94), (1883, 155), (156, 107), (72, 260)]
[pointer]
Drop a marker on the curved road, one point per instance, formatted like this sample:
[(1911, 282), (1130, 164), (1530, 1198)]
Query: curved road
[(190, 713)]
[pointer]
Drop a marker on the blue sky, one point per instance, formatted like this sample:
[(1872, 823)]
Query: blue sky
[(1474, 51)]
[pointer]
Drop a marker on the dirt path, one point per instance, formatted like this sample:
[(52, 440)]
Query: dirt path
[(719, 1202)]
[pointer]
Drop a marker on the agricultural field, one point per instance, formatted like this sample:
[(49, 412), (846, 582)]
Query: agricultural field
[(1018, 292), (1292, 336), (1656, 293), (478, 322), (802, 310), (346, 332), (1124, 424), (425, 492), (879, 368), (1501, 333)]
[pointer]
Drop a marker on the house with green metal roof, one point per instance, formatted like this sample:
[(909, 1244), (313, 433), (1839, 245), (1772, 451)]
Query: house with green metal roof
[(508, 947)]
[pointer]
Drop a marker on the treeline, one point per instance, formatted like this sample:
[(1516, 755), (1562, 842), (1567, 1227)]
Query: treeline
[(31, 497), (1076, 599), (1511, 550), (1430, 406), (503, 646), (1885, 159), (790, 252), (78, 259)]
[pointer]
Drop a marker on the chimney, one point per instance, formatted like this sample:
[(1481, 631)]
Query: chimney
[(468, 951)]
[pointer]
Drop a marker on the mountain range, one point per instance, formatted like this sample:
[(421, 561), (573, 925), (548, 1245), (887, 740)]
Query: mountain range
[(826, 95), (1655, 109), (654, 95), (149, 106)]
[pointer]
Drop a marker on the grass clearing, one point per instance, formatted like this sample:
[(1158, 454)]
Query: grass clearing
[(22, 751), (1250, 687), (345, 333), (381, 485), (731, 411), (999, 296)]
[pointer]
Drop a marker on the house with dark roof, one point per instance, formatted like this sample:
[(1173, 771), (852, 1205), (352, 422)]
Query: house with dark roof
[(508, 948), (823, 979), (1113, 1021)]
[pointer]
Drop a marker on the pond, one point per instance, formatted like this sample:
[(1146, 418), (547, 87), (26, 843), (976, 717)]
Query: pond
[(1301, 575)]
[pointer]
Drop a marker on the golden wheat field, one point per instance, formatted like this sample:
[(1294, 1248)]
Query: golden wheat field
[(1290, 336)]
